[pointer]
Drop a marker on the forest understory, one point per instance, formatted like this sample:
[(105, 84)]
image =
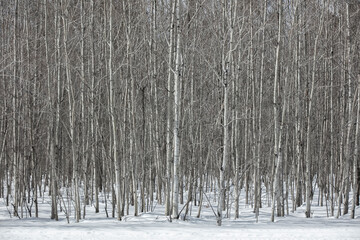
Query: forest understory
[(192, 224)]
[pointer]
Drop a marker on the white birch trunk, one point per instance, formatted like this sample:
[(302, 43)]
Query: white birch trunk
[(356, 154), (259, 140), (92, 111), (168, 120), (177, 79), (51, 128), (112, 100), (276, 117), (14, 115), (346, 180)]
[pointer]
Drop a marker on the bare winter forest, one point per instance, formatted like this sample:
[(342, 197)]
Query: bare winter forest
[(166, 102)]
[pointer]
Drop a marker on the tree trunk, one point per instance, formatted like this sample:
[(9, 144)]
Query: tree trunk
[(112, 101), (168, 117), (92, 111), (356, 155), (277, 136), (177, 79)]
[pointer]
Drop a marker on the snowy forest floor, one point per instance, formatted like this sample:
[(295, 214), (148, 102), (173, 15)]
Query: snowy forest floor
[(154, 225)]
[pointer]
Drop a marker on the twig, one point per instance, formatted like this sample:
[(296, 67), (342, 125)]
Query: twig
[(187, 203), (210, 204)]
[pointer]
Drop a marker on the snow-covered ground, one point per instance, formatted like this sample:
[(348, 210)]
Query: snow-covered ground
[(154, 225)]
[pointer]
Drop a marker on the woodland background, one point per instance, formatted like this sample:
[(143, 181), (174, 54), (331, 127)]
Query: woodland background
[(149, 100)]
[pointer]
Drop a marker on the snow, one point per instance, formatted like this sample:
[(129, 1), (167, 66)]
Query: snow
[(154, 225)]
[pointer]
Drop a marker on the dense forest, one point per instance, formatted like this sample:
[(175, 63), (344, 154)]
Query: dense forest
[(163, 101)]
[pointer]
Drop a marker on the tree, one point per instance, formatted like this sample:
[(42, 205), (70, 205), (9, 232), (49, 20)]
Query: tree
[(145, 103)]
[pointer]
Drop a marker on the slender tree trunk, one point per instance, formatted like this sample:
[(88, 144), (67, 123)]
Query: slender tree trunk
[(112, 101), (92, 111), (177, 79), (154, 87), (133, 143), (168, 120), (236, 89), (332, 145), (339, 183), (83, 152), (260, 137), (350, 113), (52, 127), (14, 102), (356, 155), (277, 148)]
